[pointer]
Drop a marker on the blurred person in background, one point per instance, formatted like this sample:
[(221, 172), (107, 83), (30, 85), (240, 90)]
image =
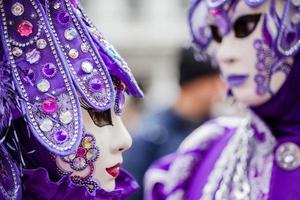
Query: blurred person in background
[(160, 133)]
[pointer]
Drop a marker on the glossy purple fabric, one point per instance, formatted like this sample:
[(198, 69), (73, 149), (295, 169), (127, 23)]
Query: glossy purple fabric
[(37, 185)]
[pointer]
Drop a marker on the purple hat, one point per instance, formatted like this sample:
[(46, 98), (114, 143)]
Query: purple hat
[(286, 43), (54, 55)]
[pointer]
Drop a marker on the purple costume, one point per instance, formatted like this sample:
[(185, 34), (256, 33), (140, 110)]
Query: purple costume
[(256, 156), (52, 56)]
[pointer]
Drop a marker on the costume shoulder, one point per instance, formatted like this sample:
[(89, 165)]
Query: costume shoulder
[(172, 172)]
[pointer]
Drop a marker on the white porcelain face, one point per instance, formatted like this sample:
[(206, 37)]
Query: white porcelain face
[(239, 60), (112, 141)]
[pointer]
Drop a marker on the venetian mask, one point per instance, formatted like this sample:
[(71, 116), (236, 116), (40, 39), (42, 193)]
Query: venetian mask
[(252, 41)]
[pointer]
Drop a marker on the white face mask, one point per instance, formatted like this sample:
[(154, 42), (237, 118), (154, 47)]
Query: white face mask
[(251, 69), (112, 141)]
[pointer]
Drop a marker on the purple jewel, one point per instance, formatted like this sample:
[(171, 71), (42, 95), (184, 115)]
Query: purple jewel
[(63, 18), (49, 70), (261, 90), (259, 78), (61, 136), (260, 66), (33, 56), (95, 85), (258, 44), (29, 76)]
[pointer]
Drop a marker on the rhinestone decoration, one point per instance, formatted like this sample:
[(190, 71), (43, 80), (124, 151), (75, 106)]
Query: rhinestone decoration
[(49, 105), (17, 51), (49, 70), (46, 125), (43, 85), (86, 154), (288, 156), (29, 76), (296, 18), (87, 67), (17, 9), (41, 44), (70, 34), (61, 136), (63, 18), (85, 47), (33, 56), (25, 28), (57, 5), (66, 117), (73, 53), (95, 85)]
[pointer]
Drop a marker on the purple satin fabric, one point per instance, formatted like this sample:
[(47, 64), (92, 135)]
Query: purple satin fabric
[(37, 185)]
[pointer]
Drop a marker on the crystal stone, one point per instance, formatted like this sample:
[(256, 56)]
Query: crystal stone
[(63, 18), (73, 53), (49, 70), (296, 3), (70, 34), (79, 163), (17, 9), (95, 85), (46, 125), (61, 136), (87, 67), (49, 105), (85, 47), (41, 44), (33, 56), (25, 28), (81, 152), (17, 51), (288, 156), (43, 85), (66, 117)]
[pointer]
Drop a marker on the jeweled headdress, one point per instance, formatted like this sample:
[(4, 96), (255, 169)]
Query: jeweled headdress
[(55, 55), (286, 43)]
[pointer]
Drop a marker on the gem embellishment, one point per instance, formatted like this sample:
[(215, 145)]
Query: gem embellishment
[(87, 67), (86, 154), (29, 76), (25, 28), (41, 44), (17, 51), (85, 47), (61, 136), (63, 18), (49, 106), (49, 70), (66, 117), (43, 85), (288, 156), (70, 34), (46, 125), (17, 9), (73, 53), (57, 5), (33, 56), (95, 85)]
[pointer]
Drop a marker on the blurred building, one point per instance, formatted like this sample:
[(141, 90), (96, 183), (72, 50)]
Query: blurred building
[(148, 35)]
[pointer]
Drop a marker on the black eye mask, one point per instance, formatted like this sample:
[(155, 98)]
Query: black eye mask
[(242, 27), (100, 118)]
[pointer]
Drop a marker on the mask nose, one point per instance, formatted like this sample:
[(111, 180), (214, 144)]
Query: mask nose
[(226, 51), (122, 138)]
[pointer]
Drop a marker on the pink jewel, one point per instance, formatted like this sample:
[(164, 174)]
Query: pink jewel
[(25, 28), (81, 152), (49, 105)]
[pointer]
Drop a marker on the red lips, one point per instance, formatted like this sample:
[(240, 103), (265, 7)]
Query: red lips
[(114, 170)]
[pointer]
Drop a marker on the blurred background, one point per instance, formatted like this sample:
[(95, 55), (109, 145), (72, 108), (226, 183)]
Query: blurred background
[(148, 35)]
